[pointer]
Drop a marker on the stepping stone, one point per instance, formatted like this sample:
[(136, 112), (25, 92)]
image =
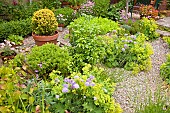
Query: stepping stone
[(163, 33), (164, 22)]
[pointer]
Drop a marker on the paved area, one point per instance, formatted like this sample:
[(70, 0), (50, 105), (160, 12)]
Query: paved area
[(164, 22)]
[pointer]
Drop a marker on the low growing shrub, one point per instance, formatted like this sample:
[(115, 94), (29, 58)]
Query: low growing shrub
[(165, 70), (48, 57), (20, 27), (129, 52), (89, 50)]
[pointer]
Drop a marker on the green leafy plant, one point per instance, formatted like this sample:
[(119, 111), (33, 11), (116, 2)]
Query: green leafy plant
[(16, 39), (44, 22), (89, 50), (89, 26), (19, 27), (167, 40), (113, 12), (128, 52), (48, 57), (148, 27), (11, 95), (165, 70), (64, 15), (83, 93), (50, 4), (101, 7)]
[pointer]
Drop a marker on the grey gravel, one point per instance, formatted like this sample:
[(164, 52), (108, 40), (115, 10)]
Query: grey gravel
[(133, 90)]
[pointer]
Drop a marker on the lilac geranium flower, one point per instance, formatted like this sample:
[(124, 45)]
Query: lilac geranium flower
[(65, 90), (125, 46), (36, 71), (75, 86), (87, 83), (65, 85)]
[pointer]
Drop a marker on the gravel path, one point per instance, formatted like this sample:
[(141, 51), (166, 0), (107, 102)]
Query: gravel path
[(133, 90)]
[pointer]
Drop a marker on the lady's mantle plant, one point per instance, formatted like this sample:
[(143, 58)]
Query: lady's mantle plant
[(83, 93), (44, 22), (129, 52)]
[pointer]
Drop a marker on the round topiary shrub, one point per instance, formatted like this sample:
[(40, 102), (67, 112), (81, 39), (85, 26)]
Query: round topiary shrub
[(44, 22), (49, 57)]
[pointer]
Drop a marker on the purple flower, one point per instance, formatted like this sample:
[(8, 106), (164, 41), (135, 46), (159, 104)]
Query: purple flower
[(65, 90), (125, 46), (36, 71), (37, 76), (87, 84), (57, 96), (88, 80), (92, 84), (66, 80), (133, 37), (123, 49), (65, 85), (75, 86), (130, 41), (91, 77), (40, 65)]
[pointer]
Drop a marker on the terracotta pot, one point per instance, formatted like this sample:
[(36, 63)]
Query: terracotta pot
[(60, 25), (40, 40), (4, 58)]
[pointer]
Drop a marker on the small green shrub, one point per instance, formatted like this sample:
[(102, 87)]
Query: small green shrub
[(83, 93), (89, 50), (64, 15), (44, 22), (89, 26), (165, 70), (129, 52), (148, 27), (48, 57), (20, 27)]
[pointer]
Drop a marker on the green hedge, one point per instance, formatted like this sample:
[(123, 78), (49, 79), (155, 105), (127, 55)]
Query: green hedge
[(20, 27)]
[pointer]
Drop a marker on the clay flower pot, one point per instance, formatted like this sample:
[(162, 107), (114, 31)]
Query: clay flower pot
[(40, 40)]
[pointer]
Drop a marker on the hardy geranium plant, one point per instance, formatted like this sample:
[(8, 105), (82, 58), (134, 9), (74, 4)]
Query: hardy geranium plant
[(44, 22), (83, 93)]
